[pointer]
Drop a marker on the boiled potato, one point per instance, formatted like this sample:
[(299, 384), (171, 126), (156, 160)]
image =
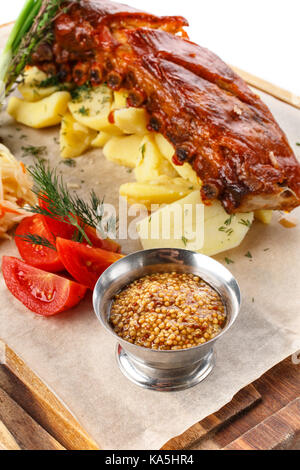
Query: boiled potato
[(120, 99), (151, 163), (163, 191), (125, 150), (30, 89), (101, 139), (219, 231), (168, 151), (92, 106), (44, 113), (75, 138), (264, 216), (132, 120)]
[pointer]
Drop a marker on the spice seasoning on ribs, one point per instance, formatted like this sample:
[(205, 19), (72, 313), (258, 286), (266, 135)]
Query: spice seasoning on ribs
[(209, 114)]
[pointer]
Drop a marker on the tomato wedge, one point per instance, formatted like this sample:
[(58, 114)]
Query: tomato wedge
[(44, 293), (84, 263), (64, 230), (36, 255)]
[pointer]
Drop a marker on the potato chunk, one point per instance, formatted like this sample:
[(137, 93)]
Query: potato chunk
[(101, 139), (125, 150), (30, 89), (221, 232), (75, 138), (120, 99), (44, 113), (132, 120), (91, 107), (264, 216), (151, 163), (168, 151), (163, 191)]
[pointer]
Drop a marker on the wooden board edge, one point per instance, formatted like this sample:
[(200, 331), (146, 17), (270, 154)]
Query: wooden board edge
[(42, 404), (278, 432), (269, 88), (243, 401), (256, 82)]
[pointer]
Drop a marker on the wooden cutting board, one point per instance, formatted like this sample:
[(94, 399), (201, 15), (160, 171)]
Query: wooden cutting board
[(26, 404), (264, 415)]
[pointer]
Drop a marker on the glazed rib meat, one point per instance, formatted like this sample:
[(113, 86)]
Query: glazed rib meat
[(212, 118)]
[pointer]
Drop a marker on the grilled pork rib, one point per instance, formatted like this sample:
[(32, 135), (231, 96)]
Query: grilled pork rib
[(209, 114)]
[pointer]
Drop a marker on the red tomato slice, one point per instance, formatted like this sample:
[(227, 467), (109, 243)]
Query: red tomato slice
[(56, 227), (36, 255), (44, 293), (64, 230), (84, 263)]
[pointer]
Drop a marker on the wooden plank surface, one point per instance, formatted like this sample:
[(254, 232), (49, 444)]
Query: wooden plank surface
[(242, 402), (7, 441), (27, 390), (28, 434), (270, 88), (280, 431), (278, 389)]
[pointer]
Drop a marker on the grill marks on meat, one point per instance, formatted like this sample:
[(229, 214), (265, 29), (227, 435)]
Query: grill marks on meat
[(194, 99)]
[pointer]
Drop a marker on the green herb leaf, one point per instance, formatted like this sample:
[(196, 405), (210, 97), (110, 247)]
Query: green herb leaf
[(37, 240), (229, 261), (245, 222), (36, 152), (185, 241), (249, 255), (69, 162)]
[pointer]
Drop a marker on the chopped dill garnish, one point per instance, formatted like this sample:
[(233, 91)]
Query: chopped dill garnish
[(267, 249), (249, 255), (37, 240), (82, 92), (185, 241), (229, 261), (49, 82), (228, 231), (228, 221), (298, 144), (36, 152), (143, 151), (245, 222), (69, 162), (84, 111)]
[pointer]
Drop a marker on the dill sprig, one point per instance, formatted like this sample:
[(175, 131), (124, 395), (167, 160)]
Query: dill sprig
[(61, 204), (37, 240)]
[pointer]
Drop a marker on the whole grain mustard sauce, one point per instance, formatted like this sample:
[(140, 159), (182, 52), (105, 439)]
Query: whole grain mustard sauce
[(168, 311)]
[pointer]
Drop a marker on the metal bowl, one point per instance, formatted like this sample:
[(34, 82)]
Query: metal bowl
[(165, 370)]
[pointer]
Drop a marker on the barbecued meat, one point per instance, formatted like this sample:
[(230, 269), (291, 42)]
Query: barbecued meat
[(208, 113)]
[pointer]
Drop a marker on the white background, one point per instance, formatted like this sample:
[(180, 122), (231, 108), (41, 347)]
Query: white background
[(259, 36)]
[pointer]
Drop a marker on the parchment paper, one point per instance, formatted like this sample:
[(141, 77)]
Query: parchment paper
[(76, 357)]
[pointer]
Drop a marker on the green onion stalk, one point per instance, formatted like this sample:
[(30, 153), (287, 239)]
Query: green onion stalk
[(32, 27)]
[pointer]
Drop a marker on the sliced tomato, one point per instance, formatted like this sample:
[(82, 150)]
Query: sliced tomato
[(56, 227), (64, 230), (44, 293), (84, 263), (97, 242), (36, 255)]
